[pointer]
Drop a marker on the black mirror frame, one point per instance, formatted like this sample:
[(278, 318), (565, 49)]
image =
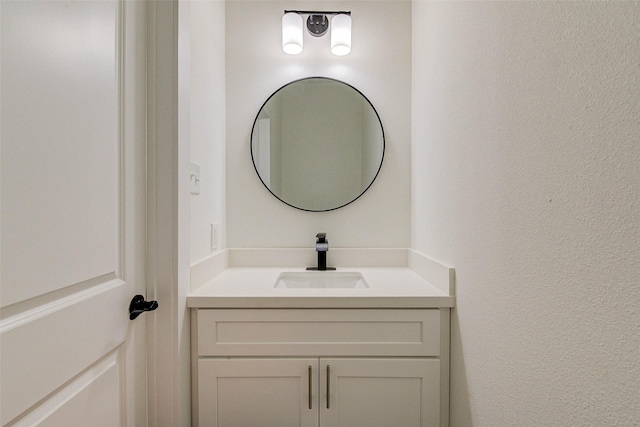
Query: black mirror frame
[(255, 121)]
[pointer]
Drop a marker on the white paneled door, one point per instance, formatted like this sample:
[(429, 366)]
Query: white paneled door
[(72, 213)]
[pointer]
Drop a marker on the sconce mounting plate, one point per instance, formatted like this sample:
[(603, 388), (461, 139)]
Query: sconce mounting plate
[(317, 25)]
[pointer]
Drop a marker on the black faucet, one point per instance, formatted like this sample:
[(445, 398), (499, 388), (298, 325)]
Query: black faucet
[(322, 247)]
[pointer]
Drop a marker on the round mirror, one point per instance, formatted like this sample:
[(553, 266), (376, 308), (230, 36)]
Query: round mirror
[(317, 144)]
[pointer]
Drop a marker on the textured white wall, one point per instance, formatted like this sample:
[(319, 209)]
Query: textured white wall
[(526, 154), (207, 123), (379, 66)]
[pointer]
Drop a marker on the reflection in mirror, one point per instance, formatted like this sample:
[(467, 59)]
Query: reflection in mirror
[(317, 144)]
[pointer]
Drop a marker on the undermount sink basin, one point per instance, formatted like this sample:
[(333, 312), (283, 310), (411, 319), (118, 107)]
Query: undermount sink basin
[(321, 279)]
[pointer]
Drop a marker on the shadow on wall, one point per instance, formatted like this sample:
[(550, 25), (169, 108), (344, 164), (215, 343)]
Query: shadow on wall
[(460, 404)]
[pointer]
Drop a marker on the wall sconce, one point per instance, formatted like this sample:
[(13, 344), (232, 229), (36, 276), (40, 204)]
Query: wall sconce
[(317, 26)]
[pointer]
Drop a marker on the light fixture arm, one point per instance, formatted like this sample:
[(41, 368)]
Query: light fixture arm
[(319, 12)]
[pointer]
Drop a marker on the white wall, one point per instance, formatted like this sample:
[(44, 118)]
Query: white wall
[(526, 130), (379, 66), (208, 124)]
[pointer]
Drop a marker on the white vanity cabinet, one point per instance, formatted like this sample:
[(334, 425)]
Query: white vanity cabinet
[(320, 367)]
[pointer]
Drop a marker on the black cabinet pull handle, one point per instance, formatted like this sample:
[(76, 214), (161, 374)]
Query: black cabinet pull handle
[(328, 386), (310, 370), (139, 305)]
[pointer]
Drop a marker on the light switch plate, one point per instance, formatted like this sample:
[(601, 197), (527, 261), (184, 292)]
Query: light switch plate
[(194, 178)]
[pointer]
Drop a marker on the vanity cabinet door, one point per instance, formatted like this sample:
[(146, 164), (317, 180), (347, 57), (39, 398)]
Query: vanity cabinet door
[(240, 392), (379, 392)]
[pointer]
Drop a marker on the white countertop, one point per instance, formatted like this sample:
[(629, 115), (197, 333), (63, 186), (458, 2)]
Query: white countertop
[(254, 288)]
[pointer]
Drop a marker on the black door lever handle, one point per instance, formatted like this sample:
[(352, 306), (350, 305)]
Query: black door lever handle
[(139, 305)]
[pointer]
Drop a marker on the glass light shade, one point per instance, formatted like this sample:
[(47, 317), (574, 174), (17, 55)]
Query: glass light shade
[(292, 33), (341, 34)]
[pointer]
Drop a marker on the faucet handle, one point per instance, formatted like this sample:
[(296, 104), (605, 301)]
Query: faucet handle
[(321, 237)]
